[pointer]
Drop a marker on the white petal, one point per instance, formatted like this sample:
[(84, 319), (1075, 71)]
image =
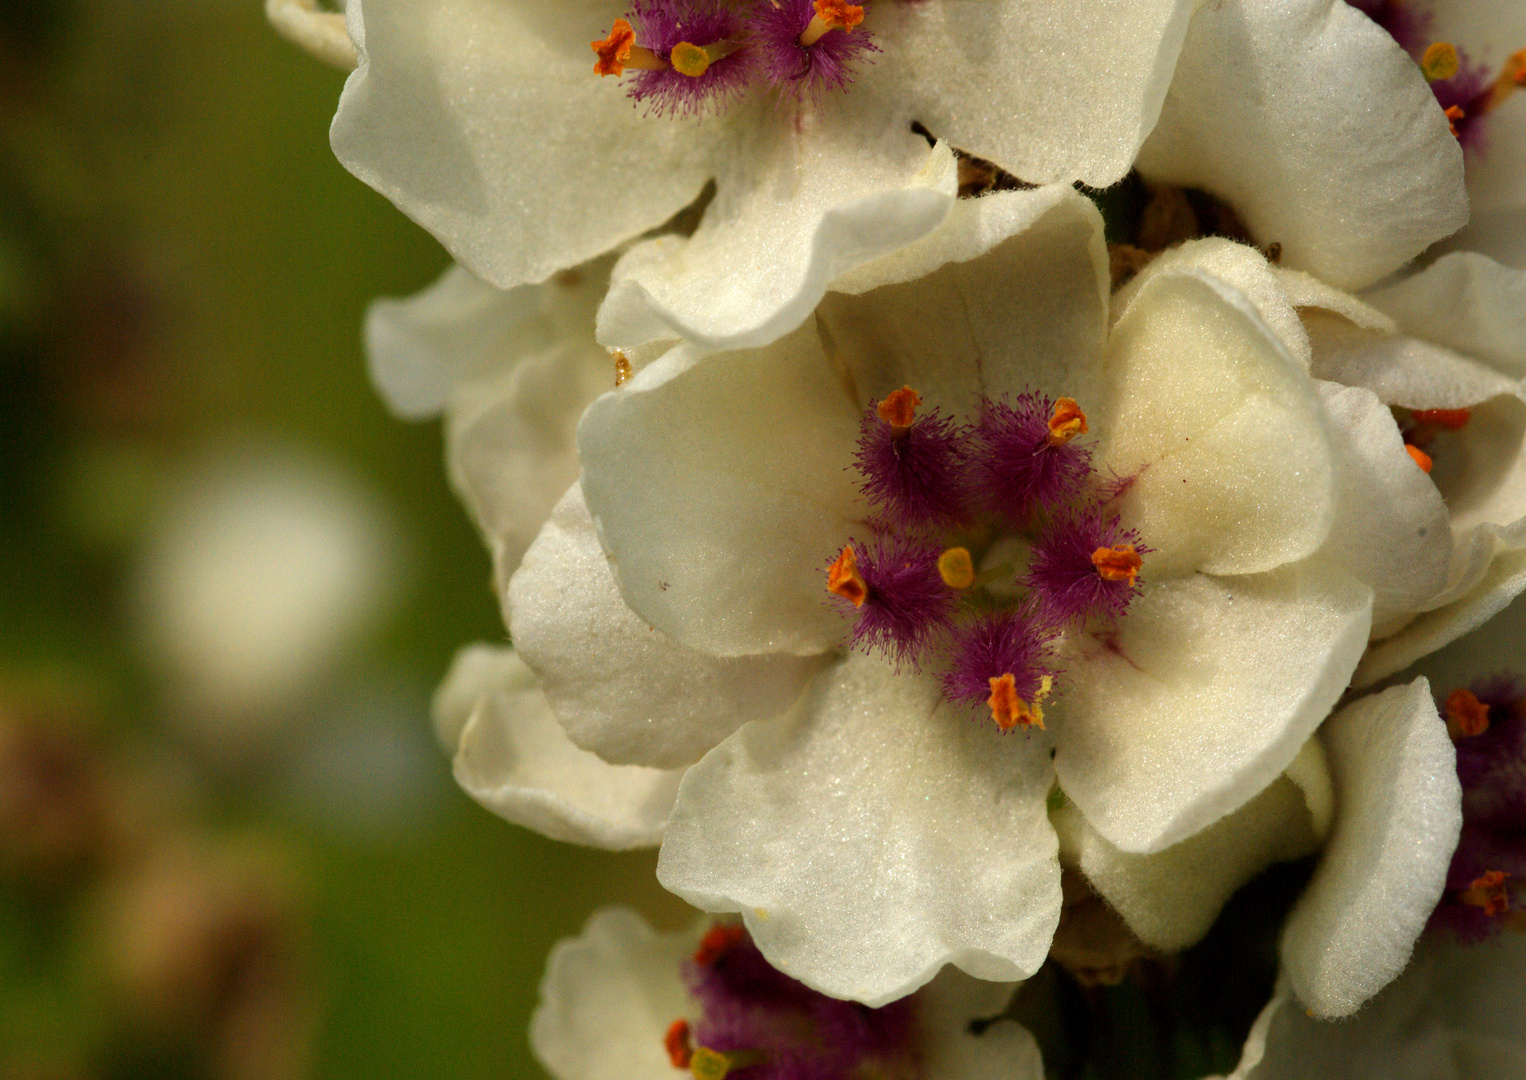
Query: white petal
[(721, 490), (1400, 370), (1320, 132), (484, 122), (800, 204), (1481, 471), (1009, 295), (873, 836), (608, 997), (475, 671), (1049, 90), (1170, 899), (1004, 1050), (1391, 528), (460, 329), (1221, 429), (1385, 865), (515, 759), (620, 688), (1306, 291), (1239, 266), (1504, 553), (1465, 302), (1203, 697)]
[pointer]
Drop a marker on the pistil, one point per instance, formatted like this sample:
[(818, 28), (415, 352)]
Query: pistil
[(619, 51), (831, 15)]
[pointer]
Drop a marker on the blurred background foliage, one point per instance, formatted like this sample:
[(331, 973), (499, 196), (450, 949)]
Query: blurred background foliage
[(214, 878)]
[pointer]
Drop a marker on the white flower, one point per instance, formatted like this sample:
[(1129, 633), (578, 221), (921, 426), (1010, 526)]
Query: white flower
[(872, 832), (621, 1002), (484, 120)]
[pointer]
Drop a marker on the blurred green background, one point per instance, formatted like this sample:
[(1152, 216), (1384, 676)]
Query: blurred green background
[(184, 268)]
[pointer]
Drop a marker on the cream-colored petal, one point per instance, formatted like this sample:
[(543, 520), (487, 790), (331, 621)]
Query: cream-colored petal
[(1170, 898), (872, 836), (1385, 864), (721, 488), (1317, 129), (1400, 370), (801, 199), (1465, 302), (621, 689), (1219, 429), (608, 997), (1202, 697), (515, 759)]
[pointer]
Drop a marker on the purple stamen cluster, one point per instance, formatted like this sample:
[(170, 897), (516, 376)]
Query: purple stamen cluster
[(934, 485), (754, 1011), (764, 38), (804, 70), (1063, 576), (1492, 768), (908, 604), (1469, 90), (1017, 470)]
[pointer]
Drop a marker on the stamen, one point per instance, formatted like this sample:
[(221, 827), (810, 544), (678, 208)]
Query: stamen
[(678, 1044), (1119, 563), (1466, 715), (1066, 422), (695, 60), (1488, 892), (1510, 79), (844, 580), (1447, 419), (1419, 456), (620, 51), (956, 568), (899, 410), (1439, 61), (1009, 710), (1454, 113), (718, 940), (622, 367), (707, 1064), (830, 15)]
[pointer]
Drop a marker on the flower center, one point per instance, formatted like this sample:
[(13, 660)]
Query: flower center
[(695, 54), (988, 541), (756, 1021)]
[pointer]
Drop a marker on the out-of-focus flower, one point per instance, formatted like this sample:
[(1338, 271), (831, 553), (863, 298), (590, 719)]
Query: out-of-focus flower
[(260, 576), (1457, 1014), (621, 1002), (806, 185), (1230, 470)]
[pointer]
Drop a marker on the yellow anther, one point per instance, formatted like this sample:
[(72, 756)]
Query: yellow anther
[(622, 367), (831, 15), (844, 580), (1009, 710), (1066, 422), (707, 1064), (1439, 62), (1119, 563), (956, 569), (899, 409), (690, 60)]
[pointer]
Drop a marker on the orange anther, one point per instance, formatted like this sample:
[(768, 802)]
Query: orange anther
[(839, 13), (1466, 715), (1488, 892), (614, 50), (1516, 67), (899, 409), (1449, 419), (844, 580), (1066, 422), (678, 1044), (1419, 456), (717, 941), (1454, 113), (1119, 563), (1009, 710)]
